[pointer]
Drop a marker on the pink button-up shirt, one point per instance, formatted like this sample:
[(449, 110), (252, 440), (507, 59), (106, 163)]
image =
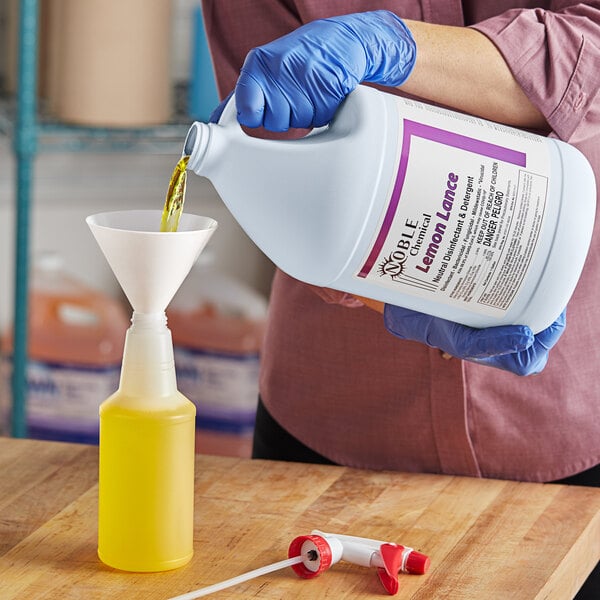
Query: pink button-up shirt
[(337, 380)]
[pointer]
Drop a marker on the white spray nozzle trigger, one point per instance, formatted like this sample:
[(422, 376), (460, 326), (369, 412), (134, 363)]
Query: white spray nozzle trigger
[(311, 555), (390, 559)]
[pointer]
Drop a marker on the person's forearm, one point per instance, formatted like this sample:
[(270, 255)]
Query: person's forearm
[(462, 69)]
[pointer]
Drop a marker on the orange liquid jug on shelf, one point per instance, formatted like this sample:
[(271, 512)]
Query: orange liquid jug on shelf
[(217, 325), (75, 348)]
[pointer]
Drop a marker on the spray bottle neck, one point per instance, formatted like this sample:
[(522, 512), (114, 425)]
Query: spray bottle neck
[(156, 322), (148, 367)]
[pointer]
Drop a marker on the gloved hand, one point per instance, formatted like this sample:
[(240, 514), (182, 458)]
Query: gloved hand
[(512, 348), (300, 79)]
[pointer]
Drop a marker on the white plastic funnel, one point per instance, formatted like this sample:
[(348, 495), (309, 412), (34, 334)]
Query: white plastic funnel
[(149, 264)]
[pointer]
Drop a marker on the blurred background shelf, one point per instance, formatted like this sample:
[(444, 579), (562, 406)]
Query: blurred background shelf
[(79, 169), (56, 136)]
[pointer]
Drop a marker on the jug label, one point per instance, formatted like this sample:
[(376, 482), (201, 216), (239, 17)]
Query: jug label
[(465, 213)]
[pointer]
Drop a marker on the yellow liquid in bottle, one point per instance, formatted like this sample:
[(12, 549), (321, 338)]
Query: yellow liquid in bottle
[(146, 496), (175, 197)]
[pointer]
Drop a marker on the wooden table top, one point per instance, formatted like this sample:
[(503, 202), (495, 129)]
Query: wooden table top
[(486, 539)]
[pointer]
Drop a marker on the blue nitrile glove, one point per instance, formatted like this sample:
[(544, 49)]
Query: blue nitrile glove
[(300, 79), (512, 348)]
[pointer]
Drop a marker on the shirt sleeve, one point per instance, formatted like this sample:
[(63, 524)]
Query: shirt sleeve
[(555, 58), (234, 27)]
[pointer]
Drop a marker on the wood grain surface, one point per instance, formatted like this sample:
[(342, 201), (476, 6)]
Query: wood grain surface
[(487, 539)]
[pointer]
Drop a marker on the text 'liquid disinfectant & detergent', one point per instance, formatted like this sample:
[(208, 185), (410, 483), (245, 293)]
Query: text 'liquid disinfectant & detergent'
[(413, 205)]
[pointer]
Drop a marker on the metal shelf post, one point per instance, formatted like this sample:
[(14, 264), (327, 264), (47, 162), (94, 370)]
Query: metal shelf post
[(24, 147)]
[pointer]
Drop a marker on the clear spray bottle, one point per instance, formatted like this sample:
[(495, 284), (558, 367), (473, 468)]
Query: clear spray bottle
[(147, 427)]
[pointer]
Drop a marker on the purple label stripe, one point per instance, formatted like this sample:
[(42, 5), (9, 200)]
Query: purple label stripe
[(441, 136)]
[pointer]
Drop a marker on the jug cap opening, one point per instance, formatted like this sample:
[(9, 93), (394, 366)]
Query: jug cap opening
[(195, 144), (190, 140)]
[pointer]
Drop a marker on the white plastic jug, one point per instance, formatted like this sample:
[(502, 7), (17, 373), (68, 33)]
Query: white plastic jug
[(412, 205)]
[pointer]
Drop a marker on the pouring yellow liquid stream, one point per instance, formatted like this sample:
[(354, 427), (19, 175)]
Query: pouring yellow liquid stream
[(175, 197)]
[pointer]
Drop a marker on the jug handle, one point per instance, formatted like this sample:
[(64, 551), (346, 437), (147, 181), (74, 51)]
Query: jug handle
[(229, 118)]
